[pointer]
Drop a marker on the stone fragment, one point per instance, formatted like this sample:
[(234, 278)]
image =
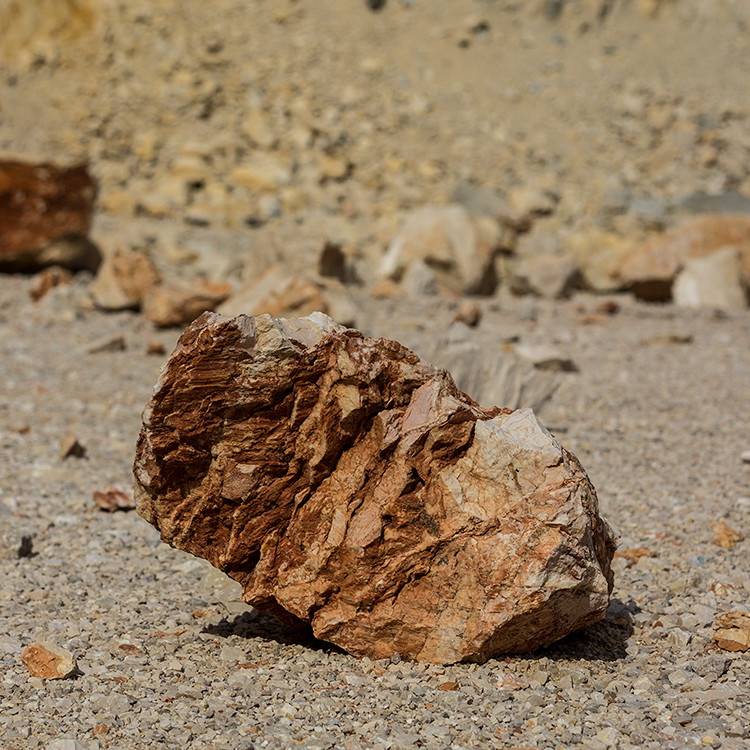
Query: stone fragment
[(450, 244), (419, 280), (745, 456), (480, 201), (156, 348), (721, 589), (332, 262), (263, 172), (281, 294), (713, 282), (553, 276), (13, 546), (175, 303), (448, 686), (108, 344), (733, 631), (45, 216), (114, 498), (546, 357), (26, 547), (634, 554), (469, 313), (725, 536), (526, 203), (70, 447), (608, 307), (48, 279), (67, 744), (333, 168), (651, 268), (48, 662), (258, 129), (348, 484), (124, 279)]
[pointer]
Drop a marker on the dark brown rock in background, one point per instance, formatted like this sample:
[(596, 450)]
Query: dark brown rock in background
[(45, 216), (348, 484)]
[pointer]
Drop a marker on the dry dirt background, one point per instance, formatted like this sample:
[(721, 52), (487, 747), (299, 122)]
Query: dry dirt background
[(352, 118)]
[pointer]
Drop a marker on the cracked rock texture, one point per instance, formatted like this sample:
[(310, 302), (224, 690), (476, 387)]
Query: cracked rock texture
[(348, 484)]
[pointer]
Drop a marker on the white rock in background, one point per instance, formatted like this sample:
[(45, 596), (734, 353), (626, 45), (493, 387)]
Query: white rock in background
[(447, 240), (714, 281)]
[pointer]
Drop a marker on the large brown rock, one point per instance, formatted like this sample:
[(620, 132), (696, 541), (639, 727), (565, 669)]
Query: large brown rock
[(348, 484), (45, 215)]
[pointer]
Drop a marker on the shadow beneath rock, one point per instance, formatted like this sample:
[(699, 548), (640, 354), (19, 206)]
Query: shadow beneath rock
[(263, 625), (605, 640)]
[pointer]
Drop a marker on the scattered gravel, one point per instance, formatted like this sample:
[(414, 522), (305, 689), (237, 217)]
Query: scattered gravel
[(169, 656)]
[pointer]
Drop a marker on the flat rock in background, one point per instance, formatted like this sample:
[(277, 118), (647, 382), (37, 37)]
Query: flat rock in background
[(348, 484)]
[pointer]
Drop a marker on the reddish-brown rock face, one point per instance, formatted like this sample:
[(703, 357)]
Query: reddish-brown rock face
[(346, 483), (45, 214)]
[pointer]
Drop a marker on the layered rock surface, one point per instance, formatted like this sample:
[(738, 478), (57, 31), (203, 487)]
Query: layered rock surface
[(348, 484)]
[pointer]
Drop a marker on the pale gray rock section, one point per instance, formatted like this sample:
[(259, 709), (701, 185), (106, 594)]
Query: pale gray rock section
[(526, 376)]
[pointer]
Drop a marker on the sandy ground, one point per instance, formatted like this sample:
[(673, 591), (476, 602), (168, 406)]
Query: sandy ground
[(656, 414)]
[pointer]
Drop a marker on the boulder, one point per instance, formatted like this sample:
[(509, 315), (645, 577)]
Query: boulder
[(444, 238), (47, 280), (599, 255), (651, 269), (124, 279), (713, 282), (282, 294), (347, 484), (45, 216), (175, 303), (547, 275)]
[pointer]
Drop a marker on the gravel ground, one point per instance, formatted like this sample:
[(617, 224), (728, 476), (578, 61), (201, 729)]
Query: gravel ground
[(169, 657)]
